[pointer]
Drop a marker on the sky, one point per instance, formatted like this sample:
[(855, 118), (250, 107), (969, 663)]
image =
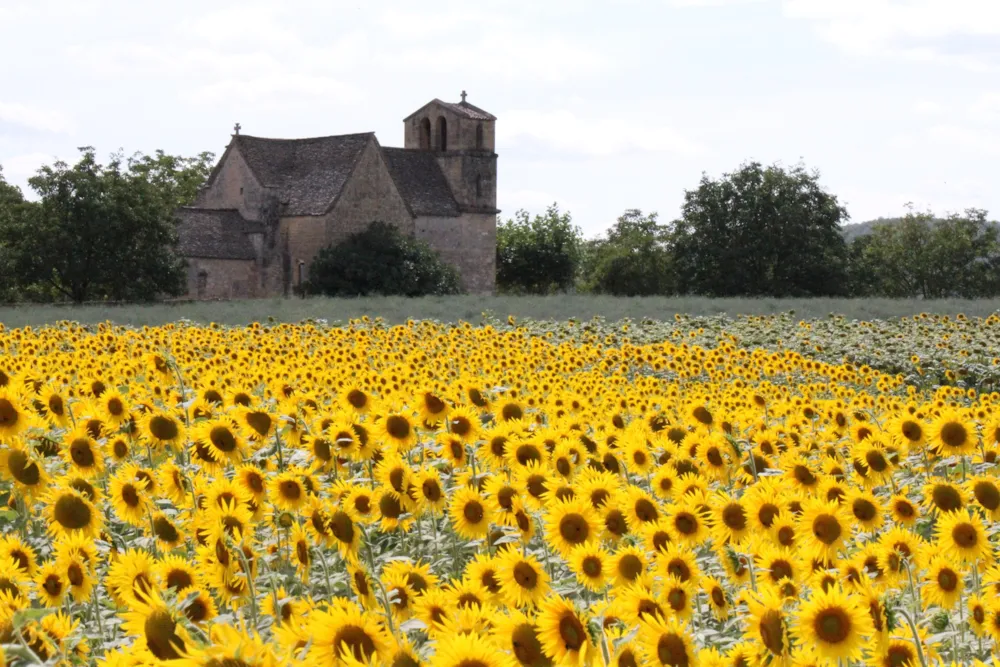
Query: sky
[(601, 106)]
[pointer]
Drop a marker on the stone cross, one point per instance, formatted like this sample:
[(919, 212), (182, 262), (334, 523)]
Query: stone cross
[(463, 96), (237, 128)]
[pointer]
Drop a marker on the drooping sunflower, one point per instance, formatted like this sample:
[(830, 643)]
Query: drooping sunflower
[(157, 626), (161, 427), (986, 492), (563, 632), (717, 598), (768, 622), (256, 422), (131, 578), (835, 623), (24, 467), (516, 633)]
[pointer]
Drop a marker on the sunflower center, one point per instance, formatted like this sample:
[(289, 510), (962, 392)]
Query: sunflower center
[(864, 509), (592, 566), (72, 512), (196, 612), (563, 467), (362, 504), (115, 406), (965, 535), (702, 414), (614, 521), (55, 405), (832, 625), (525, 575), (766, 514), (361, 583), (671, 650), (771, 632), (178, 579), (259, 421), (8, 413), (165, 530), (804, 475), (22, 468), (163, 428), (526, 647), (946, 498), (572, 632), (473, 511), (574, 528), (714, 457), (357, 398), (457, 450), (630, 567), (390, 507), (781, 569), (734, 516), (511, 411), (355, 640), (290, 490), (899, 655), (947, 580), (433, 404), (677, 599), (461, 426), (718, 597), (498, 445), (826, 528), (953, 434), (505, 498), (397, 427), (342, 527), (161, 636), (223, 439), (686, 523), (987, 495), (75, 574), (876, 461), (526, 453)]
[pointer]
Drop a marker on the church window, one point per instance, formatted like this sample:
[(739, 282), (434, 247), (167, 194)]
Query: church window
[(479, 135), (202, 283), (442, 134), (425, 134)]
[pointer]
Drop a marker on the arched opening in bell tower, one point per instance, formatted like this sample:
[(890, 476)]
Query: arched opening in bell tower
[(442, 134)]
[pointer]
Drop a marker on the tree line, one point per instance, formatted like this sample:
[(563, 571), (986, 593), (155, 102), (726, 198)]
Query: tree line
[(96, 232), (759, 231)]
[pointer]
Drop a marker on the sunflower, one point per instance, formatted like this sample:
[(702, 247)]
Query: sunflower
[(768, 623), (667, 642), (687, 523), (730, 520), (356, 399), (865, 509), (161, 428), (286, 491), (168, 532), (22, 466), (396, 429), (177, 573), (393, 512), (114, 408), (523, 580), (943, 496), (679, 596), (14, 415), (822, 528), (52, 584), (639, 507), (591, 565), (55, 405), (563, 632), (836, 624), (943, 584), (986, 492), (952, 434), (131, 577), (250, 479), (256, 423), (904, 511), (517, 634), (962, 537), (717, 598), (467, 650), (129, 498), (83, 453), (470, 513), (569, 524), (157, 626), (221, 439), (69, 511)]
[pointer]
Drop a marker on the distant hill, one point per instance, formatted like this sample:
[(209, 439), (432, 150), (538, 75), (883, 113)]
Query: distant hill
[(855, 230)]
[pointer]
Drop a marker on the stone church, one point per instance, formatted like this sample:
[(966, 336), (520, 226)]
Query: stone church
[(270, 205)]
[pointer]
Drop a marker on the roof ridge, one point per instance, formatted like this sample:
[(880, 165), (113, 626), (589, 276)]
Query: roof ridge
[(305, 139)]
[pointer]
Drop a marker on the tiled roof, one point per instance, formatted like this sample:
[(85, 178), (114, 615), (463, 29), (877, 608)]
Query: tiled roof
[(460, 108), (214, 234), (421, 182), (307, 173)]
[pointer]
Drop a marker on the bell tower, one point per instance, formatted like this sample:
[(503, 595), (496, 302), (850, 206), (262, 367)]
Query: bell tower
[(463, 139)]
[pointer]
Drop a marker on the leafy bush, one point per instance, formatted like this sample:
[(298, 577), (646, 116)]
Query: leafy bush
[(380, 260), (537, 255), (633, 259)]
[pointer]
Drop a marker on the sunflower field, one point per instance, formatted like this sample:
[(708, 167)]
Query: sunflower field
[(492, 496)]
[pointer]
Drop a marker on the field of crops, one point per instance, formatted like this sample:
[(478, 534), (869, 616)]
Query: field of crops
[(696, 492)]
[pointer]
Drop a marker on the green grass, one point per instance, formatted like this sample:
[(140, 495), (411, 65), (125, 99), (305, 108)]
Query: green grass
[(470, 308)]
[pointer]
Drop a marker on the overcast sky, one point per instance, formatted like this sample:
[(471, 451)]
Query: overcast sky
[(601, 106)]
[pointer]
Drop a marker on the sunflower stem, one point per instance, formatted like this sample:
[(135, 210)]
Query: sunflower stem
[(253, 591), (277, 440), (916, 637), (97, 614), (326, 571)]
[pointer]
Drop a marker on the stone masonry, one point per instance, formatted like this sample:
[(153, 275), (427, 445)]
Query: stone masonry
[(270, 205)]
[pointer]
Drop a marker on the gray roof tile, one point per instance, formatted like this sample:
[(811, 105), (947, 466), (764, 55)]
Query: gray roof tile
[(307, 173), (421, 182), (214, 234)]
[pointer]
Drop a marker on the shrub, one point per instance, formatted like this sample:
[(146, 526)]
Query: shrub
[(380, 260)]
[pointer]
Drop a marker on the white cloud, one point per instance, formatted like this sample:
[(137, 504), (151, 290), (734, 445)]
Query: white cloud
[(711, 3), (533, 201), (986, 108), (565, 131), (274, 91), (902, 28), (36, 118), (928, 108), (951, 136), (256, 24), (19, 168)]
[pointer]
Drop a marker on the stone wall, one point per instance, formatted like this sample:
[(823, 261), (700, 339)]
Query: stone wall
[(370, 194), (468, 243), (461, 130), (221, 278), (235, 186), (472, 177)]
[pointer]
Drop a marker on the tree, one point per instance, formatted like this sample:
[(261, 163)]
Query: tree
[(381, 260), (98, 232), (537, 255), (761, 231), (177, 179), (634, 258), (920, 255), (11, 206)]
